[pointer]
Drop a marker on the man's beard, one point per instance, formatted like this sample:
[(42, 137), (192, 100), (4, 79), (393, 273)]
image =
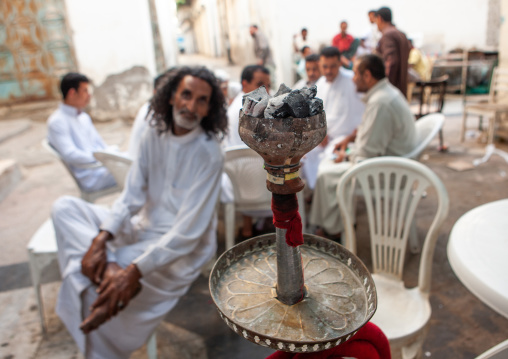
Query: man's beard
[(182, 121)]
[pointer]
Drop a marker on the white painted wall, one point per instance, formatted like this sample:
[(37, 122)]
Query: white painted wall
[(168, 23), (503, 35), (115, 35), (205, 16), (439, 25)]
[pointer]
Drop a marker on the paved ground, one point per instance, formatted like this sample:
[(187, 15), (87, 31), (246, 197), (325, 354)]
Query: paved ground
[(461, 326)]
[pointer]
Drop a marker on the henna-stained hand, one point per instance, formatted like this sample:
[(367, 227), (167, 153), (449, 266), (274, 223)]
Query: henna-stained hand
[(94, 261)]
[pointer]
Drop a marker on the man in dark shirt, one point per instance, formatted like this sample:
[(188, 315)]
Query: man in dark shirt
[(394, 49)]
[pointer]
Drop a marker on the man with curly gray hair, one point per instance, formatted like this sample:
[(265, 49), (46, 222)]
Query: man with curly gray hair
[(118, 284)]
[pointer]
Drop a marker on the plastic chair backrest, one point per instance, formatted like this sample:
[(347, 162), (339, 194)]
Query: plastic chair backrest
[(427, 128), (392, 188), (118, 165), (244, 168), (499, 351), (55, 153), (86, 195), (499, 86)]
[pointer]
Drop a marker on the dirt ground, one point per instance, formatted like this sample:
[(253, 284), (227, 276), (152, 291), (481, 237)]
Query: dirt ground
[(462, 326)]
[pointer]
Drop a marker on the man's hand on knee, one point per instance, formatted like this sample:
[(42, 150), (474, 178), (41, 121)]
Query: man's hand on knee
[(118, 288), (94, 262)]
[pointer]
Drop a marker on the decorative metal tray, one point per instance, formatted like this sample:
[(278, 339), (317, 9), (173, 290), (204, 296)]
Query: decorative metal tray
[(340, 295)]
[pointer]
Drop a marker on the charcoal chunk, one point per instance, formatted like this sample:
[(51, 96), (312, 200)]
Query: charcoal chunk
[(315, 106), (253, 98), (277, 107), (259, 108), (283, 89), (297, 104), (309, 92)]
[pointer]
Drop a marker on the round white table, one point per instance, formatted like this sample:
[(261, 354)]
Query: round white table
[(478, 253)]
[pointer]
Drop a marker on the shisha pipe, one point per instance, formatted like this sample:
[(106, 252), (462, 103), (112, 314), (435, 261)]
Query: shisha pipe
[(274, 307), (282, 143)]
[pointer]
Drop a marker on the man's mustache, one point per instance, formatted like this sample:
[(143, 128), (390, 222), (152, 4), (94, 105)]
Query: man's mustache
[(188, 114)]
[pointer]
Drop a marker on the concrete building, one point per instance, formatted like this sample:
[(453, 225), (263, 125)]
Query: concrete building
[(42, 40), (436, 26)]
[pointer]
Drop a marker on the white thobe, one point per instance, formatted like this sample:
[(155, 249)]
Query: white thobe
[(300, 84), (173, 186), (342, 104), (72, 134), (372, 37), (233, 137), (232, 140), (141, 122), (344, 109), (387, 129)]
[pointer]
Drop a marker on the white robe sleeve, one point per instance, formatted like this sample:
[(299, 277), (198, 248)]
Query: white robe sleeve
[(375, 133), (192, 219), (134, 195), (60, 138)]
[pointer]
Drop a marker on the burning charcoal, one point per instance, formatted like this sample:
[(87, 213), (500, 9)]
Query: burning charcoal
[(251, 99), (315, 106), (258, 94), (309, 93), (297, 104), (248, 105), (283, 89), (259, 108), (277, 108)]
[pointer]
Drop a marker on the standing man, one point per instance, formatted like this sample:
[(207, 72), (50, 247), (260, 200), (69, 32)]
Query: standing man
[(299, 41), (342, 105), (387, 129), (312, 70), (394, 49), (121, 282), (373, 35), (72, 134), (262, 50)]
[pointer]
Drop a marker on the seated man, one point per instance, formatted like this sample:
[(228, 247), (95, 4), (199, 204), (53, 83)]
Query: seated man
[(342, 105), (300, 65), (387, 129), (72, 134), (253, 76), (313, 72), (121, 282)]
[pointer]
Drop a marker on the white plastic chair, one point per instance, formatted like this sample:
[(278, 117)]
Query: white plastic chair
[(117, 164), (499, 351), (427, 127), (85, 194), (43, 257), (495, 107), (392, 188), (244, 168)]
